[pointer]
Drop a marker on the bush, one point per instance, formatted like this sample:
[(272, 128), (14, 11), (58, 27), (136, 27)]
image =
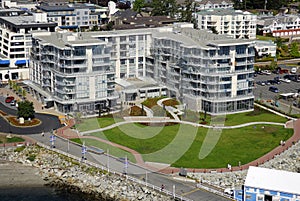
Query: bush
[(31, 157), (15, 139), (19, 149)]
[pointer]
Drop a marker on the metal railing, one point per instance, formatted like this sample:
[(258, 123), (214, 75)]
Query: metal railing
[(135, 180)]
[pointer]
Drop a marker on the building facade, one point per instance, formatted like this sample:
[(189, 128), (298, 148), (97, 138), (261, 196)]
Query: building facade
[(73, 16), (208, 72), (212, 4), (270, 184), (15, 43), (265, 48), (78, 72), (281, 25), (236, 23)]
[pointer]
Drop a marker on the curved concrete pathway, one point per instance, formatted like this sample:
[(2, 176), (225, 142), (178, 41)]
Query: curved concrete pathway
[(171, 170)]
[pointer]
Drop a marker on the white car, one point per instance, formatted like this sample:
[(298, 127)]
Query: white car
[(294, 70), (285, 80), (266, 72)]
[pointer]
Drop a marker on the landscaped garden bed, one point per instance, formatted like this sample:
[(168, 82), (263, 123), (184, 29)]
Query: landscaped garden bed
[(150, 102), (170, 102), (15, 121), (137, 111)]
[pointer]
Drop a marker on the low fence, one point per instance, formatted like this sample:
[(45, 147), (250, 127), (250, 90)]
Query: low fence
[(135, 180)]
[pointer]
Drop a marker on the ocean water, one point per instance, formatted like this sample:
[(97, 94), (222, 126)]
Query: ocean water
[(43, 193)]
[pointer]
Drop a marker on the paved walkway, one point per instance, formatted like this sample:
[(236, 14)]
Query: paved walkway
[(170, 109)]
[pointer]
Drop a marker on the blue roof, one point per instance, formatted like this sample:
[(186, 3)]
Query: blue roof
[(4, 62), (21, 62)]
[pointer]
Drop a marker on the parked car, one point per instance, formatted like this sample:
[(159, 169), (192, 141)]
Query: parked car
[(267, 82), (273, 89), (9, 99), (294, 70), (13, 103), (262, 83), (285, 80), (266, 72)]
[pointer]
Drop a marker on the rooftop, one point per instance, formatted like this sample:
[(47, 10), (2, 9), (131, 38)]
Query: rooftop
[(186, 36), (276, 180), (23, 20), (221, 11)]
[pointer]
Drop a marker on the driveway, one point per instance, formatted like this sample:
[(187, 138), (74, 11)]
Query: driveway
[(49, 122)]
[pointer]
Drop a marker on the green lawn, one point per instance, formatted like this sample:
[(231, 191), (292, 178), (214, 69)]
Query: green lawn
[(120, 153), (259, 37), (95, 123), (258, 115), (4, 139), (180, 145), (244, 145)]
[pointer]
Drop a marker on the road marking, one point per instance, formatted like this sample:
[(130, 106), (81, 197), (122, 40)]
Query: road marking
[(192, 191)]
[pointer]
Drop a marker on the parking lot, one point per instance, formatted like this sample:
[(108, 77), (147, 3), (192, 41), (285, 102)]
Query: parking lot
[(283, 87)]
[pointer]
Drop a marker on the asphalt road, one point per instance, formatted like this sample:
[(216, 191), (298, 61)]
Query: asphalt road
[(48, 122), (263, 91)]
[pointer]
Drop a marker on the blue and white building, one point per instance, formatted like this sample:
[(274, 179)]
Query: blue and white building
[(264, 184)]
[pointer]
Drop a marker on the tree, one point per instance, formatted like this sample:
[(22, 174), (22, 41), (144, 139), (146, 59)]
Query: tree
[(26, 109), (138, 5), (187, 13), (273, 65), (213, 29), (165, 8), (294, 51)]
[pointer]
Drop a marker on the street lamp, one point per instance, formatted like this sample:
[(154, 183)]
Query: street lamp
[(83, 151), (52, 139)]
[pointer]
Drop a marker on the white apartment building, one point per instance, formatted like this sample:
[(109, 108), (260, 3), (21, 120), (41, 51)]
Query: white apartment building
[(281, 25), (265, 48), (77, 71), (237, 23), (15, 43), (205, 71), (73, 16), (212, 4)]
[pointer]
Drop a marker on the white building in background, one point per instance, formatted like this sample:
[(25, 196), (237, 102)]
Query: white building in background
[(212, 4), (237, 23), (281, 25), (271, 184), (208, 72), (16, 41), (265, 48)]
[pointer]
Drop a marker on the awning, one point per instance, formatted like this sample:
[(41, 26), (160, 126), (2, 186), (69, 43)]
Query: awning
[(21, 62), (4, 62)]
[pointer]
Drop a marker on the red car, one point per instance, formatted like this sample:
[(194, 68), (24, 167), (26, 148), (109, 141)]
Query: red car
[(9, 99)]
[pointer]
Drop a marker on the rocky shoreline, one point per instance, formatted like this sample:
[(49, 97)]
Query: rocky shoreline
[(289, 160), (66, 174)]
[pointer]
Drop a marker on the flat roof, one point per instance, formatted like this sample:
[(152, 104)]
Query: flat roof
[(186, 36), (275, 180), (24, 20)]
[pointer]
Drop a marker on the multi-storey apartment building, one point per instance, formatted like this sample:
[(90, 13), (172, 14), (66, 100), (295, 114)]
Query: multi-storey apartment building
[(15, 43), (73, 16), (78, 71), (236, 23), (281, 25), (211, 4), (208, 72)]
